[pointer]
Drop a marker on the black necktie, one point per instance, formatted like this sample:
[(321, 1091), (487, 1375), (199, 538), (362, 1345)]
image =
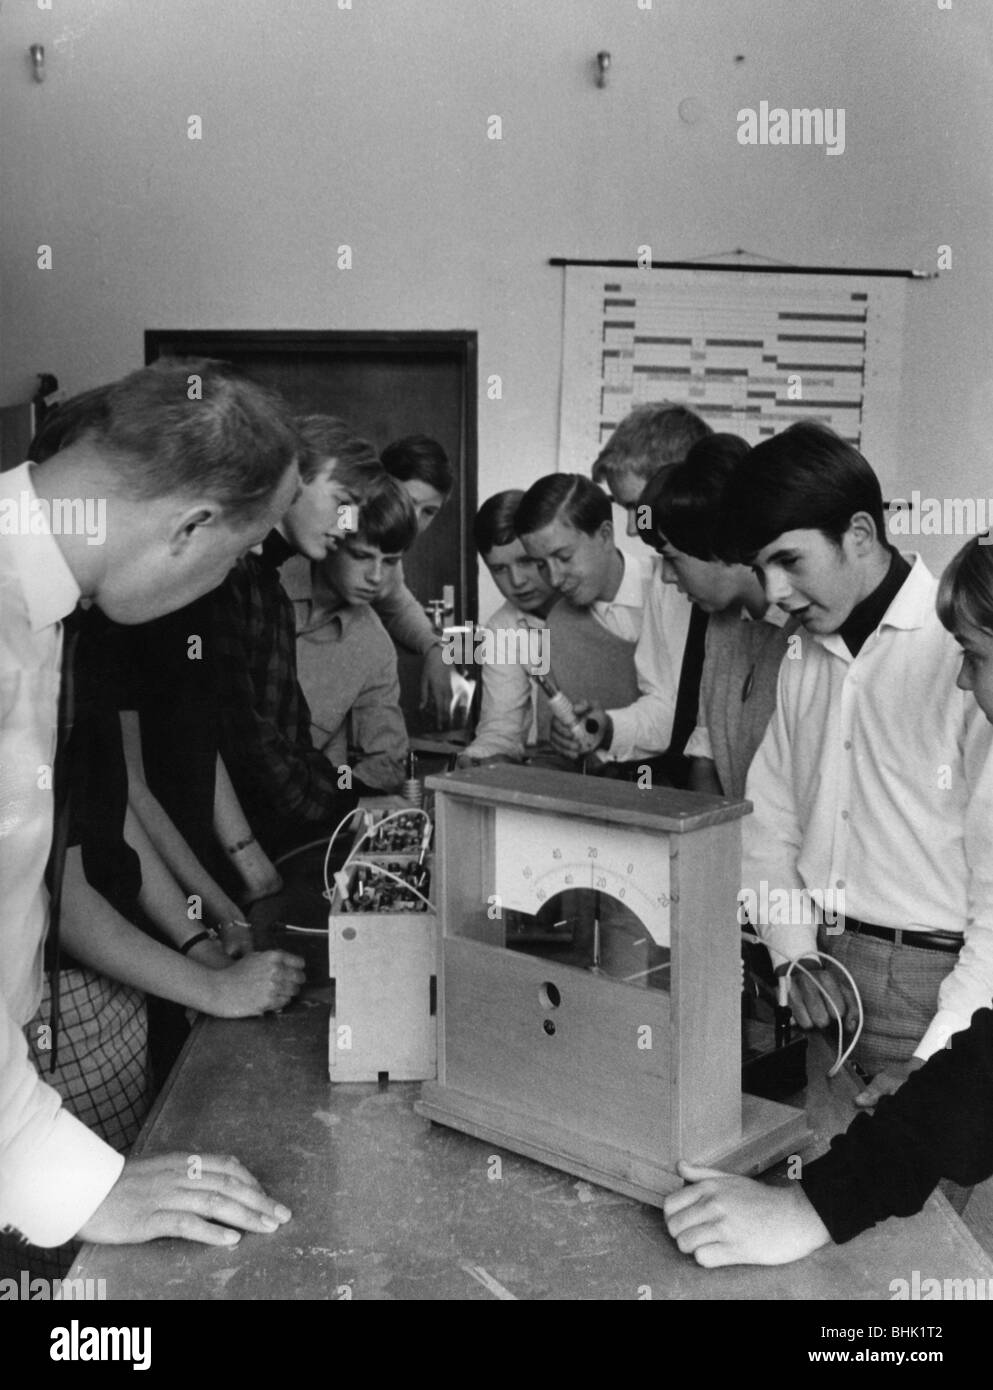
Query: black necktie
[(62, 786), (688, 691)]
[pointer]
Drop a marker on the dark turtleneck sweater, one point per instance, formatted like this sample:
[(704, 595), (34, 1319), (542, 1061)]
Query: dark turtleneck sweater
[(866, 616)]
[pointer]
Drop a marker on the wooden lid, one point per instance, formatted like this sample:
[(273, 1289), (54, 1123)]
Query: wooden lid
[(568, 794)]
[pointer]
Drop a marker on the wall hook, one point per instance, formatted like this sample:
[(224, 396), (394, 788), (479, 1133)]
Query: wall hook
[(37, 51), (602, 67)]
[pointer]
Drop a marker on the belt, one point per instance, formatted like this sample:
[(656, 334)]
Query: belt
[(927, 940)]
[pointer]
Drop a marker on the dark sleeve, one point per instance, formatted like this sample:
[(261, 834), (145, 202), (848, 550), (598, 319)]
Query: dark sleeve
[(938, 1125), (274, 774)]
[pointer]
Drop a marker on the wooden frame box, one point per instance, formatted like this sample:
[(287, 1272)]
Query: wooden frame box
[(383, 989), (563, 1063)]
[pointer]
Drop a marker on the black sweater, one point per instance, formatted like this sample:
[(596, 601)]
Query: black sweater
[(938, 1125)]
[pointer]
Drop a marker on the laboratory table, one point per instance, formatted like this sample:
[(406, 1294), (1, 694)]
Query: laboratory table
[(388, 1206)]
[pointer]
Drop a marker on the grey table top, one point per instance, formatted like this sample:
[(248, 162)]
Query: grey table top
[(388, 1206)]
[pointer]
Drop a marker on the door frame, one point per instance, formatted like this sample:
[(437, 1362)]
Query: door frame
[(458, 343)]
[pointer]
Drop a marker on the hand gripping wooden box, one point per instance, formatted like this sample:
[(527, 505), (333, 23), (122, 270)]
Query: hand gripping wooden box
[(590, 979)]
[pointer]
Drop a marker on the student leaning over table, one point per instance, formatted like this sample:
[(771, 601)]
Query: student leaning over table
[(939, 1124), (875, 775), (189, 484)]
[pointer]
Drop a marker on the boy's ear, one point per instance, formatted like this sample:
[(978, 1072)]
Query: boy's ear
[(606, 531), (185, 526), (863, 532)]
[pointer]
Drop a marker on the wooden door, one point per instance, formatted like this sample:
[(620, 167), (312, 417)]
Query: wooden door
[(386, 385)]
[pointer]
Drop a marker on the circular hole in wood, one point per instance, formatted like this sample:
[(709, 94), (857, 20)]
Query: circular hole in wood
[(549, 996), (549, 1027)]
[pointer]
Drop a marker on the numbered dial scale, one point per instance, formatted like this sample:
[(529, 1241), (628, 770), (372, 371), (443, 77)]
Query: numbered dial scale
[(556, 894), (538, 858)]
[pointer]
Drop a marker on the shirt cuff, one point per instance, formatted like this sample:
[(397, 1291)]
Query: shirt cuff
[(68, 1177), (622, 746), (787, 944), (698, 744), (940, 1029)]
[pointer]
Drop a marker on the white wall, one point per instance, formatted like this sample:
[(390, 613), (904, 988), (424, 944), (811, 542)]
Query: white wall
[(368, 126)]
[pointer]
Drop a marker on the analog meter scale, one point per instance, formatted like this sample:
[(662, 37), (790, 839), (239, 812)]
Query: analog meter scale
[(589, 978)]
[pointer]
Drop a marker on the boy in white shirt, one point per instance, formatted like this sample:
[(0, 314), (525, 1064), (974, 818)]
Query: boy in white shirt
[(508, 717), (566, 523), (873, 788)]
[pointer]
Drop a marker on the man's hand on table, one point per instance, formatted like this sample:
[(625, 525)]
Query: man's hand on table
[(886, 1082), (256, 984), (157, 1197), (722, 1219)]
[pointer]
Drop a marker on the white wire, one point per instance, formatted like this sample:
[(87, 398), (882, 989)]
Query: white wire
[(357, 811)]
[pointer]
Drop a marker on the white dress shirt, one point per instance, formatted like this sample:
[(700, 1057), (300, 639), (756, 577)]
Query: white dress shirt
[(508, 714), (875, 780), (644, 729), (54, 1172), (508, 717)]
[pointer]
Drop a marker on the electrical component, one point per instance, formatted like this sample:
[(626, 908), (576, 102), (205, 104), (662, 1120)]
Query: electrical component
[(583, 731)]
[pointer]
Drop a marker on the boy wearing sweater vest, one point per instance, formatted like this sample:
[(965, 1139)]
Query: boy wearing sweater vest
[(565, 522)]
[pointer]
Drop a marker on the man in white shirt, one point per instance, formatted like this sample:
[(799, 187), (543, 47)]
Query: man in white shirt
[(186, 466), (873, 786)]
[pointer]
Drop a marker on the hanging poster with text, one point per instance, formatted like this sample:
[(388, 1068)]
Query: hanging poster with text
[(750, 351)]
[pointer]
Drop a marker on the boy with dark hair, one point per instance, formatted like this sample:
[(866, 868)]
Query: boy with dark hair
[(747, 636), (421, 465), (193, 465), (346, 662), (873, 786), (938, 1125)]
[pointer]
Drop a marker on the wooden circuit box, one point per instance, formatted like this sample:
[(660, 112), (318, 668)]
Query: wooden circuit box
[(590, 978), (383, 980)]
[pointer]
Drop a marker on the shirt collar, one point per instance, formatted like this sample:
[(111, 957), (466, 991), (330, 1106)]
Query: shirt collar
[(910, 609), (631, 590), (914, 602), (49, 587)]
